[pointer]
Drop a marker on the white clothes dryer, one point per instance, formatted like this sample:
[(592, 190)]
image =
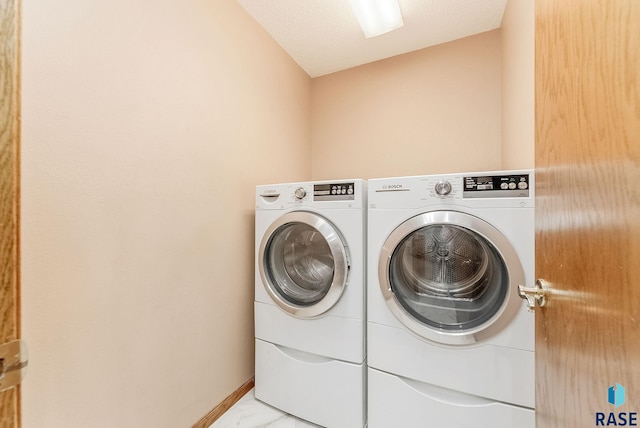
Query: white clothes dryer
[(450, 343), (310, 300)]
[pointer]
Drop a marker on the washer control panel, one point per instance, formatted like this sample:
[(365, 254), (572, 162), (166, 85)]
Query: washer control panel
[(334, 192), (496, 186)]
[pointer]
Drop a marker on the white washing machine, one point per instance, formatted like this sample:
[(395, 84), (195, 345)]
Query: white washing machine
[(450, 343), (310, 300)]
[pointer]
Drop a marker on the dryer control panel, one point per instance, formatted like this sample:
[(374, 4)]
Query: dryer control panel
[(496, 186), (334, 192)]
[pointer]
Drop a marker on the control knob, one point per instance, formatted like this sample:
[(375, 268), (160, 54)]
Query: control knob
[(443, 188), (300, 193)]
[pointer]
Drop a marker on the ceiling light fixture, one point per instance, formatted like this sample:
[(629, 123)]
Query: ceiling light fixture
[(377, 16)]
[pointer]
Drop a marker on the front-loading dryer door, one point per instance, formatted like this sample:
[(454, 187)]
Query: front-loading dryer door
[(450, 277), (303, 263)]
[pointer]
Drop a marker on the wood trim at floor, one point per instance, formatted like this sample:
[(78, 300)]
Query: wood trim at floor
[(226, 404)]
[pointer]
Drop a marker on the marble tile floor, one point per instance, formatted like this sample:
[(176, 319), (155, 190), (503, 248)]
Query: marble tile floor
[(251, 413)]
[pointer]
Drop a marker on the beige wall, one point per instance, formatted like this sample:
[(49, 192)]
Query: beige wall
[(431, 111), (146, 126), (518, 85)]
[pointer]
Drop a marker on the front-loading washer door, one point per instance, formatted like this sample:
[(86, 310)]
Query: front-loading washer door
[(303, 264), (450, 277)]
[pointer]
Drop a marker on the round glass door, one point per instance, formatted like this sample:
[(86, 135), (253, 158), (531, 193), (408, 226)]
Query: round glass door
[(448, 276), (303, 264)]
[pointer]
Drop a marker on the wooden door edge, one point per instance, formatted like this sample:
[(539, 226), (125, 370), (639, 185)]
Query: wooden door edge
[(10, 328)]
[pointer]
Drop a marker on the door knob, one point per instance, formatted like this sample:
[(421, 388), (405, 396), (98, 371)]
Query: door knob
[(13, 363), (538, 294)]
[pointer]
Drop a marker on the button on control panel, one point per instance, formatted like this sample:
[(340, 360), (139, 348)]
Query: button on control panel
[(300, 193), (443, 188)]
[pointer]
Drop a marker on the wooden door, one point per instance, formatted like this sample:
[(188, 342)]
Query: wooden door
[(9, 194), (587, 76)]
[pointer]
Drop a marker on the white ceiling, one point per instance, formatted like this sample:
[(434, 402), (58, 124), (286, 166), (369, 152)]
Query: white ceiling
[(323, 36)]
